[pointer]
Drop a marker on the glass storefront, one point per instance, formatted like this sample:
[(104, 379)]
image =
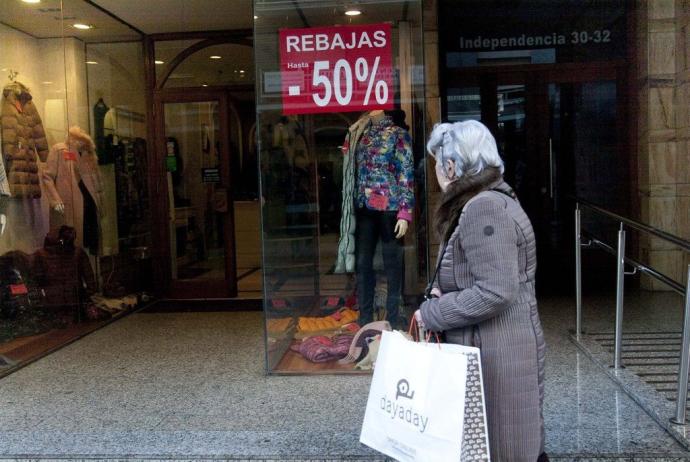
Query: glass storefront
[(340, 109), (74, 214)]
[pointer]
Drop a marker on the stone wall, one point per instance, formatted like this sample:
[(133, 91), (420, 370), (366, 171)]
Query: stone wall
[(663, 33)]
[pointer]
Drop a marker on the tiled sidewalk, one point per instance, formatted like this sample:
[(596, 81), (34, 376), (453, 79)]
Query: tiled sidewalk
[(191, 386)]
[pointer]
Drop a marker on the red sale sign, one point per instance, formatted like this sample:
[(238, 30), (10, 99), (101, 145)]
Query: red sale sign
[(336, 69)]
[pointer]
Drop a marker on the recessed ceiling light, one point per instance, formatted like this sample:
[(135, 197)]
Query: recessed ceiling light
[(91, 62), (82, 26), (241, 71), (47, 83), (215, 57), (158, 61), (353, 12), (204, 85), (31, 1)]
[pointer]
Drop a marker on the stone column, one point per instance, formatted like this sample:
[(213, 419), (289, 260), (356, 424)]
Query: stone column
[(663, 157)]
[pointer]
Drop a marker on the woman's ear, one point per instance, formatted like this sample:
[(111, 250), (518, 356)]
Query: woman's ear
[(450, 169)]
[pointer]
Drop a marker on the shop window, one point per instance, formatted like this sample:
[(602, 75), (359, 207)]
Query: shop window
[(341, 146), (62, 246)]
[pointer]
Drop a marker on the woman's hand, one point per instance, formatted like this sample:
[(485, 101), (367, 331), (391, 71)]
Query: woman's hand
[(418, 318)]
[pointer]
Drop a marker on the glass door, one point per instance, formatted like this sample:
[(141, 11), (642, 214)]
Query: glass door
[(201, 228), (560, 137)]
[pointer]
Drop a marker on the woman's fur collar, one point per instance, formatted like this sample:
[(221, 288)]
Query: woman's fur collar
[(456, 196)]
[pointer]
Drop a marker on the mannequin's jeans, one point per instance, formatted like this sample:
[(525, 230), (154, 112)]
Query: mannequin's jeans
[(372, 226)]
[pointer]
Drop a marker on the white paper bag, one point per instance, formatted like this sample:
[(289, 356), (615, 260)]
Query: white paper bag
[(416, 401)]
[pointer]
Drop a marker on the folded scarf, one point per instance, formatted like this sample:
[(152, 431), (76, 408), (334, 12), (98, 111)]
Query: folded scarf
[(322, 349)]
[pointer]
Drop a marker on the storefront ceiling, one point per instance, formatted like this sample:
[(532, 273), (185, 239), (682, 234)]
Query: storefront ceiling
[(163, 16), (47, 20)]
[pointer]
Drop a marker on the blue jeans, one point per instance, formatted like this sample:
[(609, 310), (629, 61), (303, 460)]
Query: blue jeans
[(372, 226)]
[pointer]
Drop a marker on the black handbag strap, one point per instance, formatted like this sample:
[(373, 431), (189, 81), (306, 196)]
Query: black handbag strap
[(430, 286)]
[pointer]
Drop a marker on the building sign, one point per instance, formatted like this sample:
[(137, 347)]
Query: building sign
[(576, 37), (336, 69), (494, 32)]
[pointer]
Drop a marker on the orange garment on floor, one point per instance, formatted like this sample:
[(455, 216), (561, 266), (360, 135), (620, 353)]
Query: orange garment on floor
[(334, 321)]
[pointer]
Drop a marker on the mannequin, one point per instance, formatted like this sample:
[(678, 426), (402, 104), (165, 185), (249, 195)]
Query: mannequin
[(73, 184), (378, 200), (100, 109)]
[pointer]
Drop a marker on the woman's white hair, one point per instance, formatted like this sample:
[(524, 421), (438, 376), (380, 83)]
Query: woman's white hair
[(469, 144)]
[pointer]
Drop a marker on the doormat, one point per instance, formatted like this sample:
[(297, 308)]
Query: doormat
[(6, 362)]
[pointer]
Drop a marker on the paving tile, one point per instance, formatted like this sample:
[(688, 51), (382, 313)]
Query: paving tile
[(193, 385)]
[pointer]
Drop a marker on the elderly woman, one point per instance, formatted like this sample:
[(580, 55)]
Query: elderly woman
[(483, 292)]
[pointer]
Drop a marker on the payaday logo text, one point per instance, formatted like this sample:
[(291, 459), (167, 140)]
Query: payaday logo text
[(402, 407)]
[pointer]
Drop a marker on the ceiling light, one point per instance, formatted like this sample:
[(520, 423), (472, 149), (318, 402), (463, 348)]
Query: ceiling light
[(256, 17), (204, 85), (241, 71), (47, 83), (31, 1), (91, 62), (353, 12), (215, 57), (158, 61), (82, 26)]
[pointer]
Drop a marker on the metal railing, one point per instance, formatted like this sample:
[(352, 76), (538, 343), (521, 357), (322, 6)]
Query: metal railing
[(621, 261)]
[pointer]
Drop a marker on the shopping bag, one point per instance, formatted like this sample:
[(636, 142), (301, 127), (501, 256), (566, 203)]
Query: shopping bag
[(416, 404), (475, 431)]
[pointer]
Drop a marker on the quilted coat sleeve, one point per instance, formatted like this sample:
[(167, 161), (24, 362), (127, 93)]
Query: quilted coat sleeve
[(488, 238), (37, 132), (405, 174)]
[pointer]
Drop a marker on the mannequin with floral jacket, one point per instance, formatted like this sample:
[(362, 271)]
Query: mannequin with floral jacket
[(378, 204)]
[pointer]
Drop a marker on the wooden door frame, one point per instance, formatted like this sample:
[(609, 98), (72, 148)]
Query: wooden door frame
[(177, 289)]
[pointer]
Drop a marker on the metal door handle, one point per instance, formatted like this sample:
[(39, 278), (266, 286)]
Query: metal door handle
[(551, 168)]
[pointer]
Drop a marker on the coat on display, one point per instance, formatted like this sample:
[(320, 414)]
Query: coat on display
[(383, 181), (23, 141), (70, 173)]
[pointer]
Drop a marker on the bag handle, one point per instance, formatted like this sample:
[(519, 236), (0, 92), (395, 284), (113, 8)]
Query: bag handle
[(414, 329)]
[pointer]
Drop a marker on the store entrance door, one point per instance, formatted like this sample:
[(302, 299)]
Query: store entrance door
[(559, 132), (193, 140)]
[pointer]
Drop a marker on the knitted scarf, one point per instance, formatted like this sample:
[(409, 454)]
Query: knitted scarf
[(456, 196)]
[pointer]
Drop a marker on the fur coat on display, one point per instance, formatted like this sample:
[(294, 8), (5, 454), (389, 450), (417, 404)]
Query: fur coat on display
[(23, 141), (487, 281), (70, 163)]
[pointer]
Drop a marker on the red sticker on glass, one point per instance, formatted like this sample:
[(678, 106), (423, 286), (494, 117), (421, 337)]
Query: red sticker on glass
[(341, 68), (18, 289), (69, 155)]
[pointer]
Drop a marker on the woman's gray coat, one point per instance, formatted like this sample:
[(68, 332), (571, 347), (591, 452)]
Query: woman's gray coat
[(487, 281)]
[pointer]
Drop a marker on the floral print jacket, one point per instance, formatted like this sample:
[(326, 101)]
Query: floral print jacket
[(385, 169)]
